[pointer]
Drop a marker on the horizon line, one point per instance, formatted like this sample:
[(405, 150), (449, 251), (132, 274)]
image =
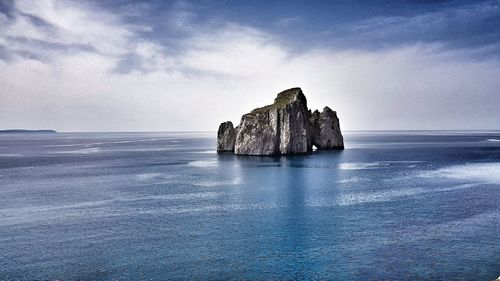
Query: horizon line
[(215, 131)]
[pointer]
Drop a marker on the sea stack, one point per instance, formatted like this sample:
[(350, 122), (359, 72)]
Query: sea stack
[(286, 127), (225, 137), (325, 130)]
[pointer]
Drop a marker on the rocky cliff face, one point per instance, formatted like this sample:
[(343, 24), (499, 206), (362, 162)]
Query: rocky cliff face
[(279, 128), (282, 128)]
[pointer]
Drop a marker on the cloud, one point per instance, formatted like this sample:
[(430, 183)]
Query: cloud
[(287, 21), (55, 22), (80, 68), (474, 24), (232, 50)]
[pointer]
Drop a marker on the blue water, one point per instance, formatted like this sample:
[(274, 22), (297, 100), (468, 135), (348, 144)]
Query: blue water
[(156, 206)]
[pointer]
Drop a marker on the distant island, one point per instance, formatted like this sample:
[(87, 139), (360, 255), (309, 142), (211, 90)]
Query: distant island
[(286, 127), (21, 131)]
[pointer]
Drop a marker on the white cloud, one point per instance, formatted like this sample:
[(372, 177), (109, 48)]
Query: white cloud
[(72, 24), (221, 72), (233, 50)]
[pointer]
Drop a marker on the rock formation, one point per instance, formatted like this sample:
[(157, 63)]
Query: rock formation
[(325, 130), (279, 128), (282, 128), (225, 137)]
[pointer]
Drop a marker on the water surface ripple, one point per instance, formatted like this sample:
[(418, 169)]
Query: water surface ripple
[(156, 206)]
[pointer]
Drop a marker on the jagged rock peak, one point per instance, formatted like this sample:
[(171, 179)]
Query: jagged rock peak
[(328, 110)]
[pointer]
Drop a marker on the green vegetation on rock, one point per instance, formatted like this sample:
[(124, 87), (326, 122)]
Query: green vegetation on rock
[(282, 100)]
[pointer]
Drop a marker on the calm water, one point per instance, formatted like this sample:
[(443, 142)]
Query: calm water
[(155, 206)]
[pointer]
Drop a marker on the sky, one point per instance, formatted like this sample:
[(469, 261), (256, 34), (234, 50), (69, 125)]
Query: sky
[(122, 65)]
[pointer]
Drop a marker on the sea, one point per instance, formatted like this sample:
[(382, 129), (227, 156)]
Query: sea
[(394, 205)]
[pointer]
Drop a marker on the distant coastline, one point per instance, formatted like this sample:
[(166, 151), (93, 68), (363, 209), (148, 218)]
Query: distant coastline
[(21, 131)]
